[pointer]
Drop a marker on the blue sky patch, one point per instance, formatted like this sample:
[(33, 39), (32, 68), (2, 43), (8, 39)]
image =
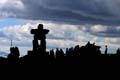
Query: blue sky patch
[(10, 22)]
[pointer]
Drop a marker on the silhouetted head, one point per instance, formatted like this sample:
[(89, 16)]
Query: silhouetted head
[(106, 46), (88, 42), (11, 50), (93, 43), (40, 26)]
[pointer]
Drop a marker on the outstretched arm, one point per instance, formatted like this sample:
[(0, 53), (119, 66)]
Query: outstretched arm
[(46, 31)]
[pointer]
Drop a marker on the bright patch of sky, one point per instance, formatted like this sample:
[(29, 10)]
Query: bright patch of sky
[(5, 22), (2, 2)]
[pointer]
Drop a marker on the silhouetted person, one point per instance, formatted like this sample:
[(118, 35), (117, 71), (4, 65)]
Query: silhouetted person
[(88, 44), (93, 43), (39, 34), (61, 52), (11, 55), (14, 54), (77, 50), (17, 53), (118, 51), (106, 49), (52, 53)]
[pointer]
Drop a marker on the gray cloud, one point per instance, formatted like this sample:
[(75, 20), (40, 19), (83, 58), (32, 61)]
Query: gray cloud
[(111, 31), (68, 11), (75, 11)]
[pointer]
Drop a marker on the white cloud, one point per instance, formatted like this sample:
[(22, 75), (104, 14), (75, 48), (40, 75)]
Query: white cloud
[(12, 4), (112, 40), (11, 8), (60, 35), (98, 28), (2, 3)]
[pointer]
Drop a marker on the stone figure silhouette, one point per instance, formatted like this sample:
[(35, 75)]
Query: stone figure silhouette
[(39, 34)]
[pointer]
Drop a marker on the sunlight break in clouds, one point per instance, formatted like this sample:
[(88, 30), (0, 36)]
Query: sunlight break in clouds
[(11, 8), (11, 4), (3, 1)]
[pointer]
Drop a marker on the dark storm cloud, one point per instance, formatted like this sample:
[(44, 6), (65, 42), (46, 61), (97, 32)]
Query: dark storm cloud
[(74, 11), (68, 11)]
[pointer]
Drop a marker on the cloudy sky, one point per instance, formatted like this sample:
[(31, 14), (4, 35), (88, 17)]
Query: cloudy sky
[(70, 22)]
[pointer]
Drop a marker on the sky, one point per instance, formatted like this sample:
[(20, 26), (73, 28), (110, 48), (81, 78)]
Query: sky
[(70, 22)]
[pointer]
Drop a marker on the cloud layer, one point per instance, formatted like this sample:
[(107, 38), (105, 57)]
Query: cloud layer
[(69, 11), (99, 17), (60, 36)]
